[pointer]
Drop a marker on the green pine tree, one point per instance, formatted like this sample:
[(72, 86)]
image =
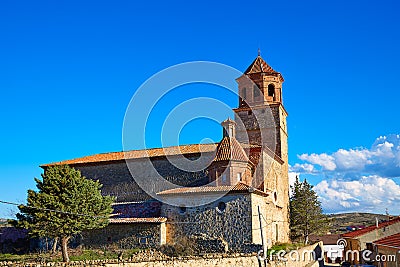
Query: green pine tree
[(306, 215), (66, 203)]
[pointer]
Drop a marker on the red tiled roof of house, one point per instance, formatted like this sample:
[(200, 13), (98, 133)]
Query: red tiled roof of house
[(230, 149), (238, 188), (368, 229), (136, 154), (138, 220), (390, 241)]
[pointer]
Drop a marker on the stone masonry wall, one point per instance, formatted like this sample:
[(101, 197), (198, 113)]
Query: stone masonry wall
[(277, 181), (251, 121), (125, 236), (118, 181), (233, 223)]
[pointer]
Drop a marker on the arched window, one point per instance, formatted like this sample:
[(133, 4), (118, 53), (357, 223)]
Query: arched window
[(256, 91), (271, 90)]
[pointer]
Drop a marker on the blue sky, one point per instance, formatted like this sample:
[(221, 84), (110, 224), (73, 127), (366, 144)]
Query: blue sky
[(68, 70)]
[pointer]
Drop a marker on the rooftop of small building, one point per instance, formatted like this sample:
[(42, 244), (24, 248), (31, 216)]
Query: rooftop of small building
[(366, 230), (392, 241)]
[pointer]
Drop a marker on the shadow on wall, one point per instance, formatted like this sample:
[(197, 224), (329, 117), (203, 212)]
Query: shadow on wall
[(319, 255), (14, 240)]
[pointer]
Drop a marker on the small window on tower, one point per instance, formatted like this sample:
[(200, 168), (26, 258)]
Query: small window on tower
[(256, 92), (182, 210), (271, 90), (221, 207), (244, 93), (239, 176), (142, 240)]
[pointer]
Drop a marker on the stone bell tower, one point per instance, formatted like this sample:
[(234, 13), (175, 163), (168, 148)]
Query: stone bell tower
[(261, 122), (261, 109)]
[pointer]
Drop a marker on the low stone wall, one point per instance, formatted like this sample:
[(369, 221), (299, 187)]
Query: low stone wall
[(249, 261), (245, 261), (125, 236), (208, 260), (310, 256)]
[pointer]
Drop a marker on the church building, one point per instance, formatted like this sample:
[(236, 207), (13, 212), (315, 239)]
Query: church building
[(246, 182)]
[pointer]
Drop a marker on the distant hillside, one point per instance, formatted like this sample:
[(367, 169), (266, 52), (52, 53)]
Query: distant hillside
[(341, 221), (3, 222)]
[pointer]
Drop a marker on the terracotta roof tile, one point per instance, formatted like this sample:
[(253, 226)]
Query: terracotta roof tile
[(136, 154), (138, 220), (260, 66), (371, 228), (230, 149), (390, 241), (238, 188), (169, 151)]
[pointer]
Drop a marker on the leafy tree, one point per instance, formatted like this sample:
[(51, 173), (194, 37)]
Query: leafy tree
[(66, 203), (305, 212)]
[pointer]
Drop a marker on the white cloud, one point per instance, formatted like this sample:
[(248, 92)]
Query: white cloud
[(324, 160), (352, 159), (305, 167), (383, 159), (357, 179), (369, 194)]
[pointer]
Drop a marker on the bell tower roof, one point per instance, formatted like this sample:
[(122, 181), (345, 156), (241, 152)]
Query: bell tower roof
[(259, 65)]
